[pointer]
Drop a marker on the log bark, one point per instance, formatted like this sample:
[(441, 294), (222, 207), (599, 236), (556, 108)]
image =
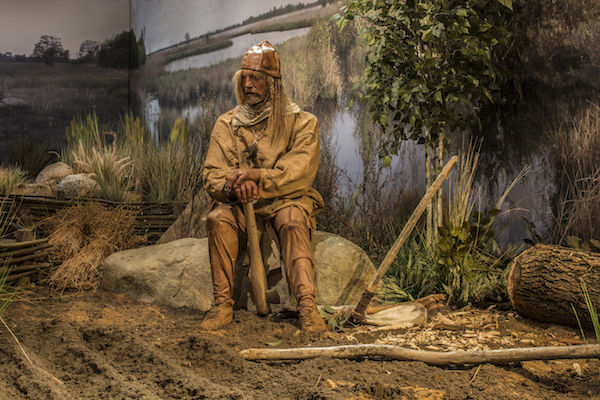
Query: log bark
[(544, 281), (501, 356)]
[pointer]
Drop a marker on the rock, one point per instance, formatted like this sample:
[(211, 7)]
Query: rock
[(343, 269), (53, 173), (178, 273), (77, 185), (173, 274), (13, 102)]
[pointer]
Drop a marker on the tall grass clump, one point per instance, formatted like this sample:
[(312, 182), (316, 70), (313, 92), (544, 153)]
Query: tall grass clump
[(471, 265), (593, 312), (11, 178), (31, 156), (171, 171), (575, 145), (129, 164), (95, 151)]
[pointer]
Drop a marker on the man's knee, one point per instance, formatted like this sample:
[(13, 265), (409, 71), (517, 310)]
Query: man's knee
[(218, 218), (291, 219)]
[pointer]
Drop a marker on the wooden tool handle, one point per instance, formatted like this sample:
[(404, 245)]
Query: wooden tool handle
[(257, 275), (359, 311)]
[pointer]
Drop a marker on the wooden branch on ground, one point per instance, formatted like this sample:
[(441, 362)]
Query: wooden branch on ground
[(501, 356), (23, 268), (18, 260), (24, 251), (20, 245)]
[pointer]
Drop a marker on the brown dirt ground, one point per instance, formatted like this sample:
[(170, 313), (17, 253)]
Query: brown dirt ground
[(106, 346)]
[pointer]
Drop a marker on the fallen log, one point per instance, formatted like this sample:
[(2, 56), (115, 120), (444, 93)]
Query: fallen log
[(501, 356), (544, 281)]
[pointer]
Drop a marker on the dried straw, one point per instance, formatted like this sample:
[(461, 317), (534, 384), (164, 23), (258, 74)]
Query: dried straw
[(82, 237)]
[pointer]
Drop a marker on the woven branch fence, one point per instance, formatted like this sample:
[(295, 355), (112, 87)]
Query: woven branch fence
[(22, 259)]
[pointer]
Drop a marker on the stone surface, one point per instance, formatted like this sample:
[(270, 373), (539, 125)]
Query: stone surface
[(343, 269), (178, 273), (174, 274), (77, 185), (53, 173)]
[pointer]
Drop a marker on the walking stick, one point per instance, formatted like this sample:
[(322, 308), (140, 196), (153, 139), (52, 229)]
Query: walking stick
[(359, 311), (257, 275)]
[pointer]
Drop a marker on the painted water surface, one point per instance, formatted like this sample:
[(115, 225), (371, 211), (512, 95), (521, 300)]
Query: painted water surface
[(240, 45)]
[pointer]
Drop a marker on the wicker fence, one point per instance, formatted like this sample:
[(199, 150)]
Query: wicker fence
[(29, 257)]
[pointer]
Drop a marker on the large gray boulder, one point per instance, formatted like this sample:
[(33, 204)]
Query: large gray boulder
[(343, 269), (172, 274), (178, 274)]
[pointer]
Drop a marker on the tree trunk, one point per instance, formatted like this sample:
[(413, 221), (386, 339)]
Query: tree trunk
[(544, 281), (440, 212), (429, 214)]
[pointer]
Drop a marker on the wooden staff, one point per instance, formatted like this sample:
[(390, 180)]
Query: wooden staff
[(257, 275), (358, 314), (501, 356)]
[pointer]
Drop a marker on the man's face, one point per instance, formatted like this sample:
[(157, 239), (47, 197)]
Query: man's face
[(255, 86)]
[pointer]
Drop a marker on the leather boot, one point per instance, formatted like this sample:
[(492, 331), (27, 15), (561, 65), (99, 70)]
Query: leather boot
[(311, 321), (217, 317)]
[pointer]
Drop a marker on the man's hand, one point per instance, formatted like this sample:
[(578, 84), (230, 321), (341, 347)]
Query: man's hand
[(231, 178), (244, 183)]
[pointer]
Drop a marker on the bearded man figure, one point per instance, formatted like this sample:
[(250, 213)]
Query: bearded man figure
[(265, 150)]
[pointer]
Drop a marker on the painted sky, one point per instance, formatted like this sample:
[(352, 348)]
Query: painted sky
[(22, 22), (167, 21)]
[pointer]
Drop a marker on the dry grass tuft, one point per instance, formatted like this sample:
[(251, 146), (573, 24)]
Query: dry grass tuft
[(576, 149), (82, 237), (11, 178)]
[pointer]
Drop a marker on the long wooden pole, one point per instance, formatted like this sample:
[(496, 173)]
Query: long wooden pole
[(359, 311), (257, 275), (501, 356)]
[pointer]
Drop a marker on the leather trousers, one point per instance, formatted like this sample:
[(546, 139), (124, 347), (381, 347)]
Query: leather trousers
[(226, 224)]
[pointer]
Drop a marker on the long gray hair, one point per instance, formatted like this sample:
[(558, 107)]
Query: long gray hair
[(277, 94)]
